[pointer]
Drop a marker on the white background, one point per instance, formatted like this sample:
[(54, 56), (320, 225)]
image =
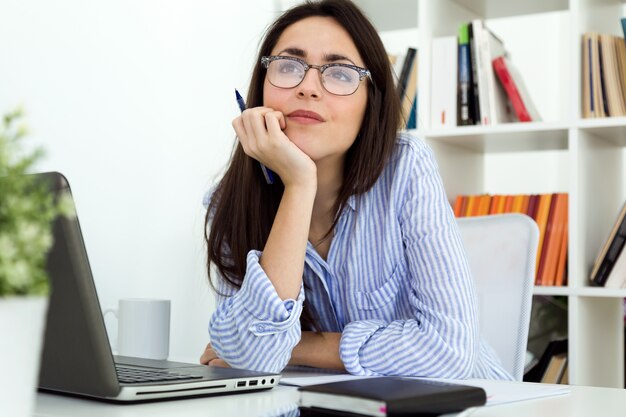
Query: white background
[(133, 102)]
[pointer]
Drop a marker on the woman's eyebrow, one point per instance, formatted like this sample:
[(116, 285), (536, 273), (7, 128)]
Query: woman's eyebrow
[(329, 57), (337, 57), (293, 51)]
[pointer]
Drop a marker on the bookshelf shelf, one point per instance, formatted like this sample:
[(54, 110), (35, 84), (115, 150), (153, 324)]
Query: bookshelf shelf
[(584, 157), (510, 137), (543, 290), (612, 129), (601, 292)]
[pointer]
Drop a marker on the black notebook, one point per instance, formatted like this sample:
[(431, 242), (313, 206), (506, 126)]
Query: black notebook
[(391, 396)]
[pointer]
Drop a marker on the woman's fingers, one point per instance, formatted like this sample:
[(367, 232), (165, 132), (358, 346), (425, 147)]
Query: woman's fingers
[(275, 122), (220, 363), (208, 355)]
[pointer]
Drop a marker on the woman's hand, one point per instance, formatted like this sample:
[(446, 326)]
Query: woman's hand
[(260, 131), (318, 350), (209, 357)]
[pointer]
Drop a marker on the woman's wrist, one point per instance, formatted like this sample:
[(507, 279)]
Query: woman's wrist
[(318, 350)]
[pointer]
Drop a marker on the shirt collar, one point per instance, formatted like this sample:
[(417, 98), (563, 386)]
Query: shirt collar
[(352, 202)]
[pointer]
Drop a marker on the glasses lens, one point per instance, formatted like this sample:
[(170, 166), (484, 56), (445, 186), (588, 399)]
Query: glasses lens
[(285, 73), (341, 80)]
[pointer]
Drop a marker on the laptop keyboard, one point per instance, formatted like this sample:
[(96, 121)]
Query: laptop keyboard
[(129, 375)]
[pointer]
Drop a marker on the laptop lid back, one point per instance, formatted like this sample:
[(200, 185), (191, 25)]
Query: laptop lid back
[(76, 355)]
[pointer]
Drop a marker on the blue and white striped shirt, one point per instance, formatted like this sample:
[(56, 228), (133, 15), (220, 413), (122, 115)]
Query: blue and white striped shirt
[(396, 284)]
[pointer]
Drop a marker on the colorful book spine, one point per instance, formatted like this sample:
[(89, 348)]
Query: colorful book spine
[(515, 90), (550, 211), (465, 101)]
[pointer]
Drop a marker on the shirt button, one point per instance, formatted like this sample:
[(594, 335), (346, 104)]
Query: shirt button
[(260, 328)]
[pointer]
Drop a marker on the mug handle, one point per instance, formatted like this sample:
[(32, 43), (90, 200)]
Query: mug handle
[(104, 314)]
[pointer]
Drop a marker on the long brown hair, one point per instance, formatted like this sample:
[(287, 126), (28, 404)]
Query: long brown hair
[(243, 206)]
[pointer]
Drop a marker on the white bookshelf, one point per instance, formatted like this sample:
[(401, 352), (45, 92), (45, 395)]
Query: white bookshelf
[(562, 153)]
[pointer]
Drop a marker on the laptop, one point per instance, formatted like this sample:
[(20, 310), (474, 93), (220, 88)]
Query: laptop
[(77, 357)]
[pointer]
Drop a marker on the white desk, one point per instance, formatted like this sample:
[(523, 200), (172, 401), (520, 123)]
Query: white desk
[(581, 402)]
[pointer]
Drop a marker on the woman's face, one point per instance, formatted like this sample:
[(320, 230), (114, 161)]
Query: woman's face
[(336, 120)]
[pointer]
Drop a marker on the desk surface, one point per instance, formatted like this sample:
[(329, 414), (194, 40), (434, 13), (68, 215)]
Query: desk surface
[(580, 402)]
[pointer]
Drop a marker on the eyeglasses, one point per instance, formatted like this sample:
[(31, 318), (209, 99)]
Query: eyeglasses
[(338, 79)]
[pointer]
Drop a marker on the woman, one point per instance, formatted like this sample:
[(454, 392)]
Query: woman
[(352, 258)]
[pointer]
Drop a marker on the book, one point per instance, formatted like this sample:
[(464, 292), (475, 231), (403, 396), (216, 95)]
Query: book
[(610, 250), (473, 67), (555, 370), (391, 396), (617, 276), (547, 235), (511, 81), (554, 348), (561, 270), (561, 261), (443, 82), (405, 72), (611, 78), (543, 210), (409, 98), (492, 98), (465, 90), (593, 89), (458, 205), (412, 122), (620, 47)]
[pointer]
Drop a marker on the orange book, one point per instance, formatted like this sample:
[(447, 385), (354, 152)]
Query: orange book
[(464, 206), (516, 207), (483, 206), (543, 210), (561, 266), (477, 205), (556, 240), (501, 203), (471, 202), (547, 236), (493, 206), (458, 204), (532, 205), (525, 203), (508, 204)]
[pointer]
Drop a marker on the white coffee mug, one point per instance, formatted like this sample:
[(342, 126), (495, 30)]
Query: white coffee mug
[(143, 328)]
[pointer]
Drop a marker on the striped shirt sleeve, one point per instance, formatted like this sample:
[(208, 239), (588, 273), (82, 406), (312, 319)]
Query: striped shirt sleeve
[(254, 328), (441, 338)]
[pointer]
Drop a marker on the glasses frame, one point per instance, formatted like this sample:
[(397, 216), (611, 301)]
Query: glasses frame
[(363, 73)]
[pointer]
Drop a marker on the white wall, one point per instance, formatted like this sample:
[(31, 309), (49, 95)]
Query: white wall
[(133, 99)]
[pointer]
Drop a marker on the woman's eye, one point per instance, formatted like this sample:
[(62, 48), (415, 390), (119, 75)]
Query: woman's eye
[(290, 67), (341, 74)]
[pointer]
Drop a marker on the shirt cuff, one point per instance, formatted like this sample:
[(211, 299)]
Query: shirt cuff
[(263, 303), (354, 336)]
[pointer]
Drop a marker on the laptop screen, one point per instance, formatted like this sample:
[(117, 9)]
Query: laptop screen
[(76, 354)]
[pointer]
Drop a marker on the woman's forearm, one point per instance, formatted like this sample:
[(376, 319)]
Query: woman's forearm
[(318, 350), (283, 255)]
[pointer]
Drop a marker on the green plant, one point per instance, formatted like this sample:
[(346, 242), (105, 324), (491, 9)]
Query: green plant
[(27, 210)]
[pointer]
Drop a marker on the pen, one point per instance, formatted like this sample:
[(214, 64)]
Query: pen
[(267, 173)]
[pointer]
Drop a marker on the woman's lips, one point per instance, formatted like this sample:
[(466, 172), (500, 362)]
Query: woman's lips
[(305, 117)]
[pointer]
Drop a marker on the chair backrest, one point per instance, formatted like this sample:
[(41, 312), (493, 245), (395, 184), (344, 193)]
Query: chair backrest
[(502, 251)]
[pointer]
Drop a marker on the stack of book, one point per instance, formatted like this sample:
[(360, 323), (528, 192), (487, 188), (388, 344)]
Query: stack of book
[(552, 367), (604, 74), (609, 269), (550, 211), (474, 82), (405, 71)]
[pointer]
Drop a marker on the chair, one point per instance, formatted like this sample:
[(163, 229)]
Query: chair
[(502, 252)]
